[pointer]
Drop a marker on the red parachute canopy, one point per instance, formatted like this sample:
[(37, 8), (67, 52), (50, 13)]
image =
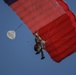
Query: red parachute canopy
[(54, 22)]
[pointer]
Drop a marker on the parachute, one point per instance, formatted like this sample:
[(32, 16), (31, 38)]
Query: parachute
[(11, 34), (53, 21)]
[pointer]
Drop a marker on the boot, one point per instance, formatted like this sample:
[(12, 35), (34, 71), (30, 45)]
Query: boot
[(37, 53), (42, 58)]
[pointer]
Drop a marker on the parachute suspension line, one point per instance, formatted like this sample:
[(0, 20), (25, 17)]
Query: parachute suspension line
[(18, 27), (51, 30)]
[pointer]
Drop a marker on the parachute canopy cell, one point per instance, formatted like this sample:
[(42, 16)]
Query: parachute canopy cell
[(52, 20)]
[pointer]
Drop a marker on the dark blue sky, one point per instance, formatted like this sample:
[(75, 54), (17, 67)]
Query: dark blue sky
[(17, 56)]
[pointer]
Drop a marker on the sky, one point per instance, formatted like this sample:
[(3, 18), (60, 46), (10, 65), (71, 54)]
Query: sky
[(17, 57)]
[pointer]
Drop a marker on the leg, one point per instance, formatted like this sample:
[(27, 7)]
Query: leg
[(38, 50), (42, 54)]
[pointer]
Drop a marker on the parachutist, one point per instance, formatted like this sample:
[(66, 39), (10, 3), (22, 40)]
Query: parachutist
[(51, 28), (39, 46)]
